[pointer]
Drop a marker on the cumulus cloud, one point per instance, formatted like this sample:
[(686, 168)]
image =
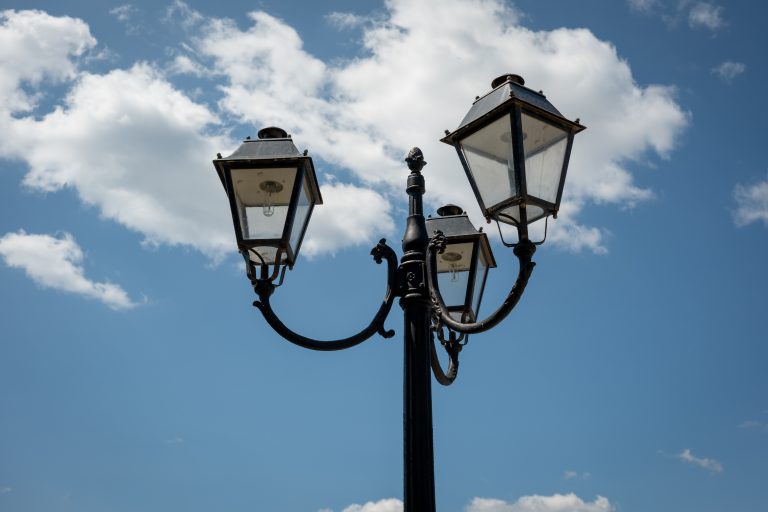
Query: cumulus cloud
[(388, 505), (751, 203), (706, 15), (138, 149), (366, 113), (709, 464), (57, 263), (535, 503), (345, 20), (728, 70), (34, 47)]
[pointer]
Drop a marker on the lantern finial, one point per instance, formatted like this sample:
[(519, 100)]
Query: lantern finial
[(272, 132), (508, 77)]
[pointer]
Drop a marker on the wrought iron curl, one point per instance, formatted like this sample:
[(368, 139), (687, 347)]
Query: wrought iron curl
[(524, 251), (452, 346), (265, 287)]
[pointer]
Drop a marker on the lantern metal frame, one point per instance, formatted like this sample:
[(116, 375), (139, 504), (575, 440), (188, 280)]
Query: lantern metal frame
[(510, 97), (274, 149), (452, 220)]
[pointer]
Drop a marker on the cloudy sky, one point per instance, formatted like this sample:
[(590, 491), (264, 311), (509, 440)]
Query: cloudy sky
[(135, 375)]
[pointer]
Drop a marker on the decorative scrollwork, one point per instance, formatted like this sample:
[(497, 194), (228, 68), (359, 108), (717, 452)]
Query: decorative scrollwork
[(524, 251), (265, 287), (452, 346)]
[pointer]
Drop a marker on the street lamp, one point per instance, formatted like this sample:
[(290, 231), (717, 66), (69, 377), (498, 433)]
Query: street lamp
[(272, 189), (514, 146)]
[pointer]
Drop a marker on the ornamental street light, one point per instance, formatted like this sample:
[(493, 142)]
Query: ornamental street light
[(514, 147)]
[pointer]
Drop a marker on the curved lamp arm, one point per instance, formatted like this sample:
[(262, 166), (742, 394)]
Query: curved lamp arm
[(453, 347), (523, 250), (264, 289)]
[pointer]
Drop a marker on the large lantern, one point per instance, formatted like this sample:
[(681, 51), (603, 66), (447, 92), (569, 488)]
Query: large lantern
[(463, 266), (515, 146), (272, 190)]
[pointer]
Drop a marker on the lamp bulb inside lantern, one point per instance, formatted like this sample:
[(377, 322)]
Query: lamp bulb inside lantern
[(270, 187), (453, 257)]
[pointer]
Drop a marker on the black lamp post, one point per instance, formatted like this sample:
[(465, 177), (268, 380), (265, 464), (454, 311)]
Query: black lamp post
[(514, 146)]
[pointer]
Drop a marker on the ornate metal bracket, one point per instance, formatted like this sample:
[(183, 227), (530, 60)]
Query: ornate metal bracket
[(265, 287), (452, 346), (524, 251)]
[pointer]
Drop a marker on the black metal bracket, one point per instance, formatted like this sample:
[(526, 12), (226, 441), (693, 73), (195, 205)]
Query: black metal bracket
[(453, 346), (265, 287), (524, 251)]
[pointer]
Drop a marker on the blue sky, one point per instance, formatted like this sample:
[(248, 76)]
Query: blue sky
[(136, 375)]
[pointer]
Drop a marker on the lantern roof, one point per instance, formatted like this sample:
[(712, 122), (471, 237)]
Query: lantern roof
[(455, 225), (272, 146), (507, 90)]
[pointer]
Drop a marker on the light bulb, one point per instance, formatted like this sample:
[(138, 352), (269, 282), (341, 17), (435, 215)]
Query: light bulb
[(453, 258), (454, 273), (270, 187)]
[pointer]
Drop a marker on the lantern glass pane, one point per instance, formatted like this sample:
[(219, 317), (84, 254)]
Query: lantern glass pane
[(263, 198), (482, 270), (302, 214), (453, 267), (534, 213), (267, 253), (488, 153), (544, 145)]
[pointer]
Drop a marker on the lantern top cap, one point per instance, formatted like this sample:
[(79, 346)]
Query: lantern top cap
[(272, 132), (509, 77), (449, 209)]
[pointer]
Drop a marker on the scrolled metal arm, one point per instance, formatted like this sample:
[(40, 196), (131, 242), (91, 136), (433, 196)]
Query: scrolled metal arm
[(264, 288), (453, 347), (523, 250)]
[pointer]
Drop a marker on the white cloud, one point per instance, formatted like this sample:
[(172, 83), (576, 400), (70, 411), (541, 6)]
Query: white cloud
[(183, 65), (123, 12), (535, 503), (709, 464), (182, 13), (345, 20), (706, 15), (728, 70), (35, 46), (554, 503), (349, 215), (388, 505), (366, 113), (752, 203), (57, 263), (5, 489), (138, 149)]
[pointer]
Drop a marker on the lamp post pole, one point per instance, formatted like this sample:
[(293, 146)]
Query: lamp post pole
[(418, 456)]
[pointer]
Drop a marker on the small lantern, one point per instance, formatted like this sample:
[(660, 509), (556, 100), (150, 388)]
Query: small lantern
[(272, 190), (515, 146), (463, 266)]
